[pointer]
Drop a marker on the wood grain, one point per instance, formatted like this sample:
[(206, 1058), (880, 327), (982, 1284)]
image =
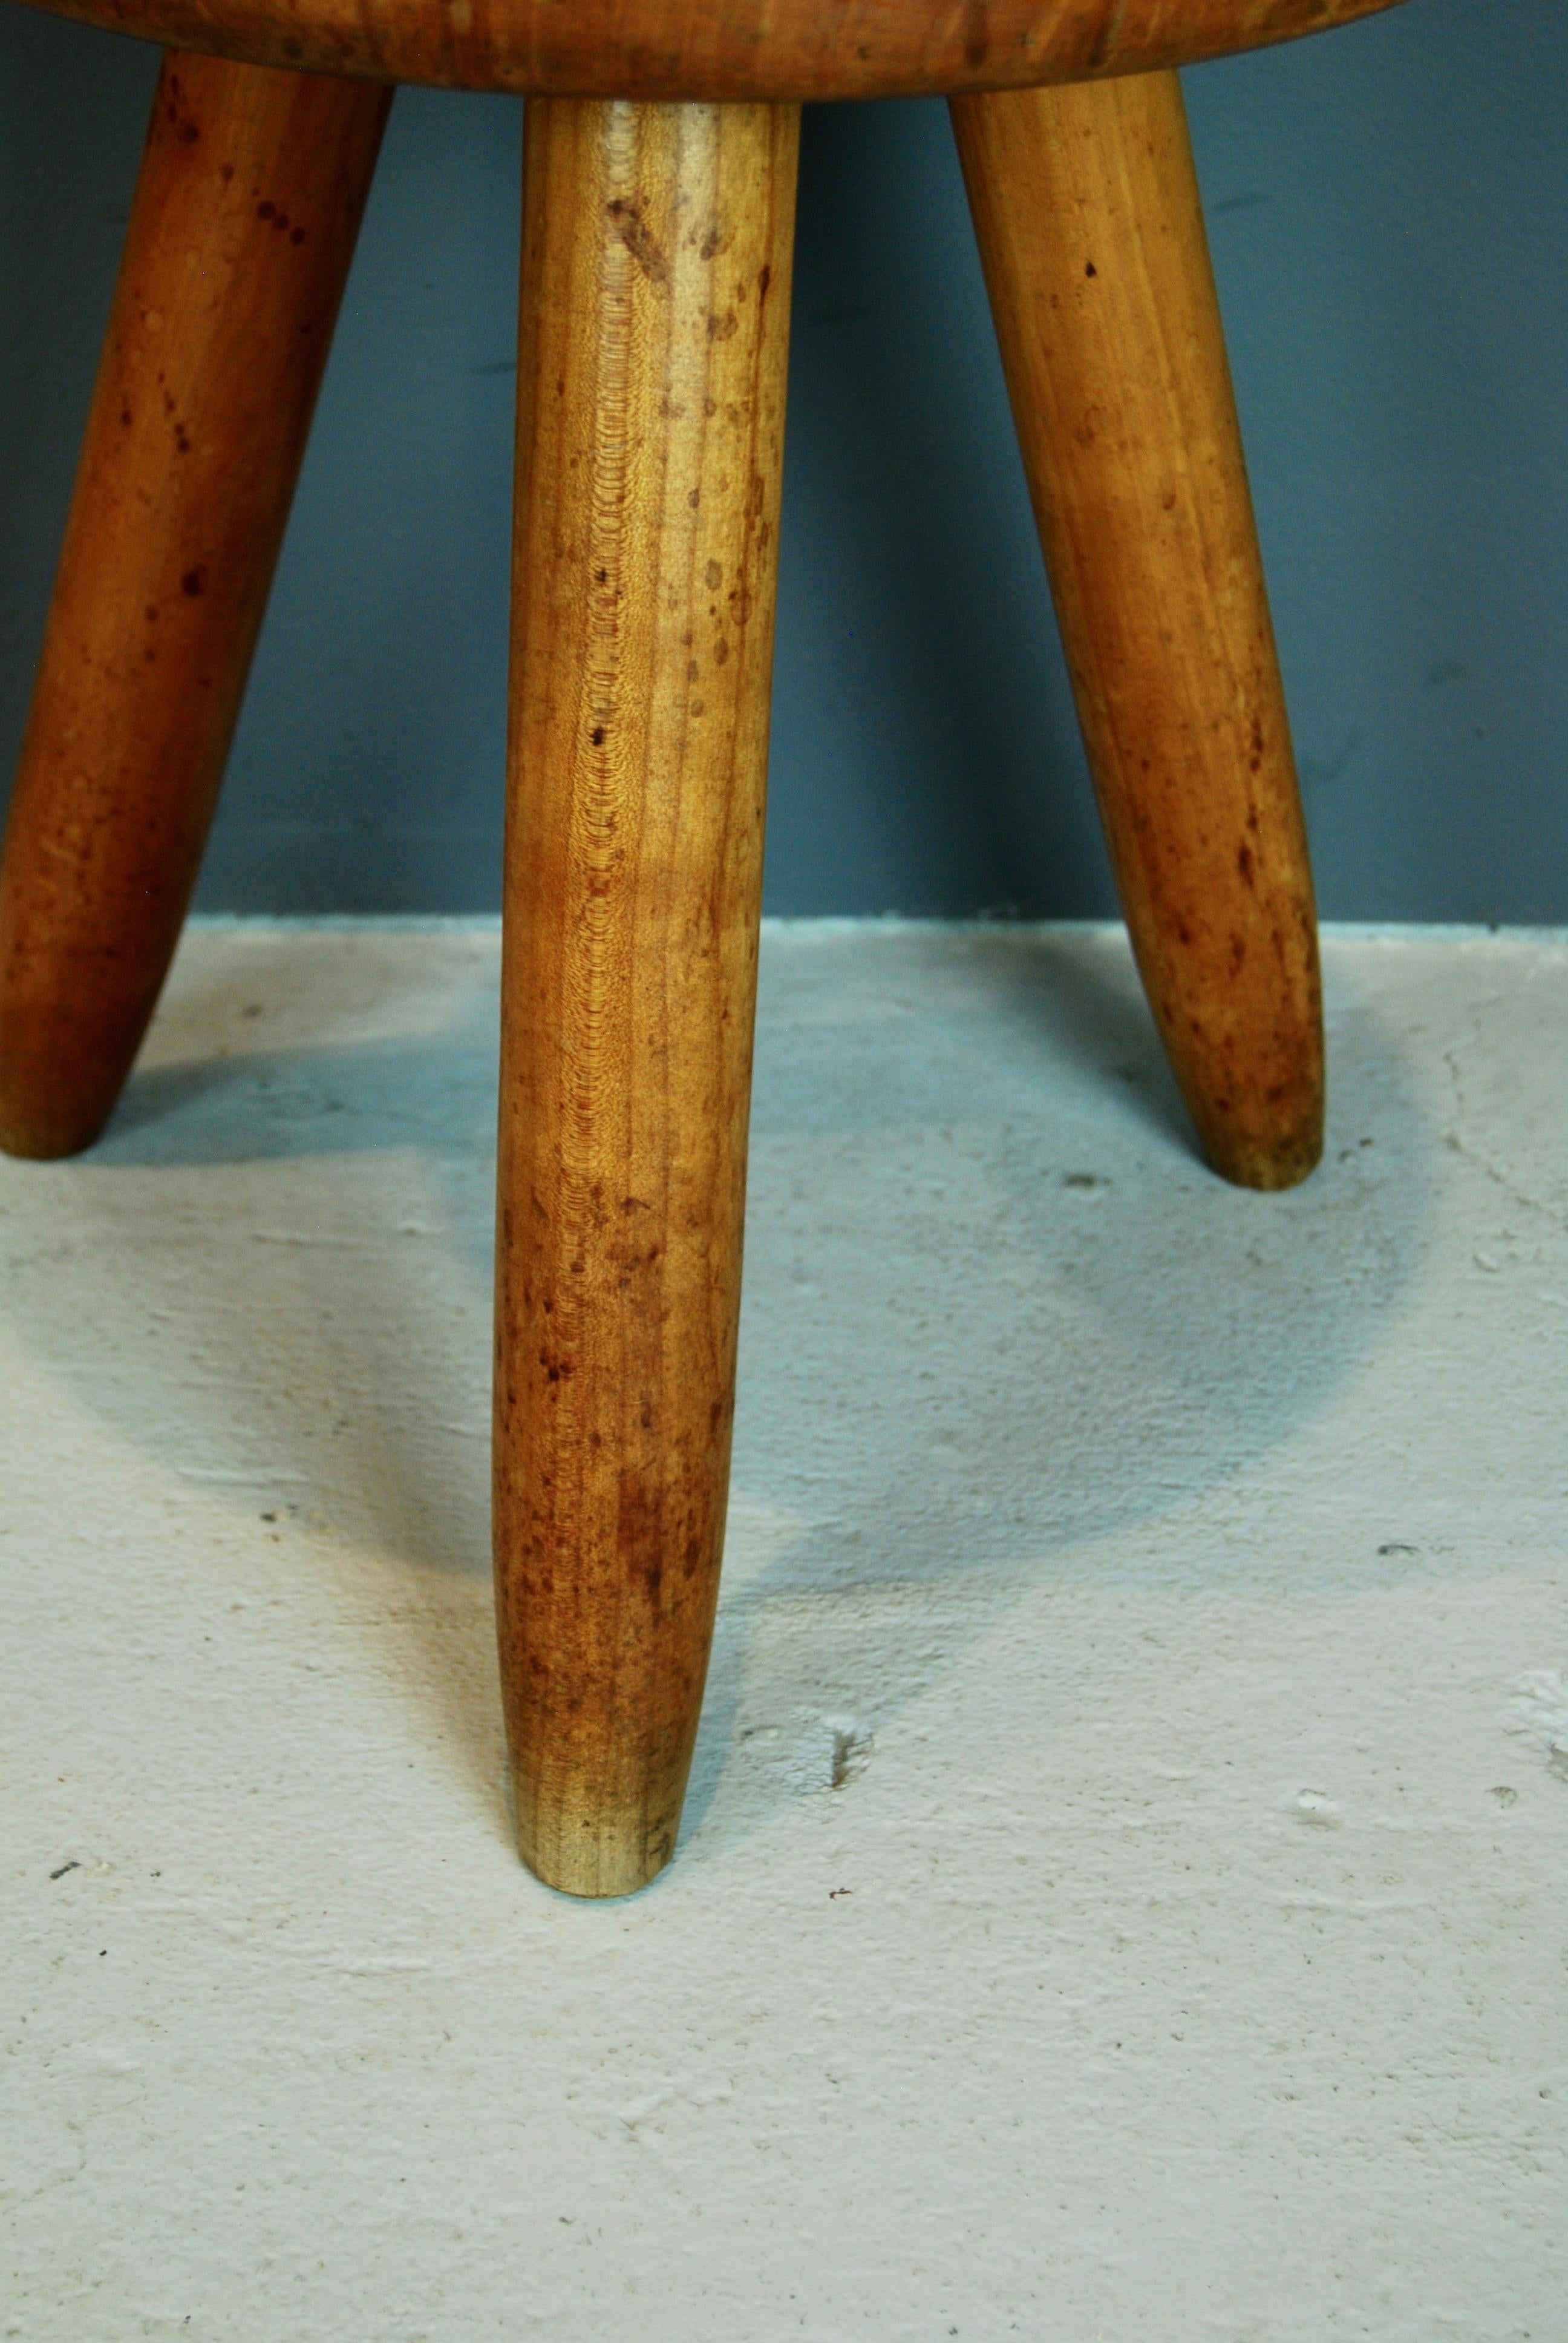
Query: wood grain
[(716, 49), (654, 333), (239, 242), (1091, 235)]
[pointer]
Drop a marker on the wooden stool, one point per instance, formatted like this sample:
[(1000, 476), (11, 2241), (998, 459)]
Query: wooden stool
[(659, 200)]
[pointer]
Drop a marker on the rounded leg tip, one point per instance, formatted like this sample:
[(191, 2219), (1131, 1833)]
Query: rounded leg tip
[(1266, 1164), (593, 1874), (59, 1084), (41, 1138), (590, 1853)]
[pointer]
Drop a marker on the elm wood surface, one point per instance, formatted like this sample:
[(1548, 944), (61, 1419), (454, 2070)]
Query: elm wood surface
[(240, 241), (718, 49), (654, 338), (650, 388), (1091, 231)]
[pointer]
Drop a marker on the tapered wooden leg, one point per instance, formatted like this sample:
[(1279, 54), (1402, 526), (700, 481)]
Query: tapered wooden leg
[(1091, 230), (240, 241), (651, 412)]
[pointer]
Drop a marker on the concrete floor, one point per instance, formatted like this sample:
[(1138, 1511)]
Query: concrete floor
[(1123, 1894)]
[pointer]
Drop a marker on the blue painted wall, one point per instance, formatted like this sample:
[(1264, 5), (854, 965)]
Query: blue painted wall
[(1388, 211)]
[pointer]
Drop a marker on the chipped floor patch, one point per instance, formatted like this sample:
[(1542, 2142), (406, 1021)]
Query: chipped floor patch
[(1538, 1713)]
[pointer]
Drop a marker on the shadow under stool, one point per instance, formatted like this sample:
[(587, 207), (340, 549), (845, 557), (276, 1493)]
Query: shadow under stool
[(658, 203)]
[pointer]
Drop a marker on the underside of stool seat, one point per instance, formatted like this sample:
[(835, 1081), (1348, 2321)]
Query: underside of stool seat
[(719, 49)]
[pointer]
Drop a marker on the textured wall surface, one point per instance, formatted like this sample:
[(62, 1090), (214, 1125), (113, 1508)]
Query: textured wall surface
[(1389, 210), (1126, 1874)]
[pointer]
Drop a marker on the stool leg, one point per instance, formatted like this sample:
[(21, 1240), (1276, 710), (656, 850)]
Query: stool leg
[(1091, 231), (650, 410), (240, 241)]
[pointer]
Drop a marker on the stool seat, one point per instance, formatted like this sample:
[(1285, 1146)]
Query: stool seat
[(719, 49)]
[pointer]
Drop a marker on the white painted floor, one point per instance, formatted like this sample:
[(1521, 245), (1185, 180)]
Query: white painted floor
[(1122, 1897)]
